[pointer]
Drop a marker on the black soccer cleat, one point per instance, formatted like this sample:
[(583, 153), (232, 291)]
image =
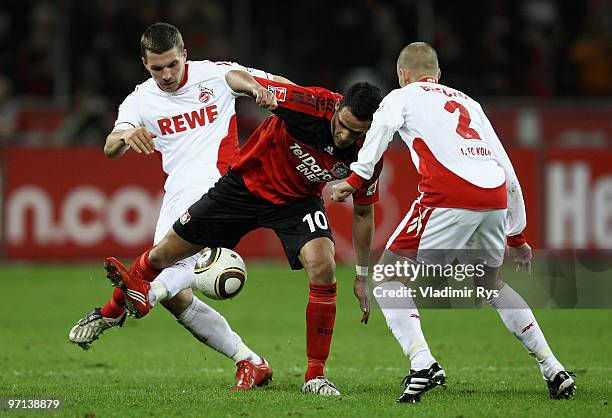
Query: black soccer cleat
[(420, 381), (562, 386)]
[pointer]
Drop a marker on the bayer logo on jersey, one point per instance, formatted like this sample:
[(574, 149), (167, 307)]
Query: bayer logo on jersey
[(220, 273)]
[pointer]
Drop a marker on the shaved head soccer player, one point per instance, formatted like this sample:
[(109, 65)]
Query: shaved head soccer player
[(276, 183), (185, 111), (470, 199)]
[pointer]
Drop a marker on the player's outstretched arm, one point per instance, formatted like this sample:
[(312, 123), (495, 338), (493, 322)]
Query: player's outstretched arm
[(363, 231), (139, 139), (243, 82), (281, 79)]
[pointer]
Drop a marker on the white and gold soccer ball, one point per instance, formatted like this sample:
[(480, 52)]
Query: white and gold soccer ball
[(220, 273)]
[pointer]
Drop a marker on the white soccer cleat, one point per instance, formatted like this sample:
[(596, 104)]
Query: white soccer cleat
[(320, 386), (89, 328)]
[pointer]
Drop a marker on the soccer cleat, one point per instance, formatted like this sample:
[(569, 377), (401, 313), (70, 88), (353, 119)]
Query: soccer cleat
[(136, 290), (249, 375), (89, 328), (419, 382), (562, 386), (320, 386)]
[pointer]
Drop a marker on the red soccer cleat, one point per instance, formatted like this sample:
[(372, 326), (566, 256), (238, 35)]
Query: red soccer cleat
[(249, 375), (136, 290)]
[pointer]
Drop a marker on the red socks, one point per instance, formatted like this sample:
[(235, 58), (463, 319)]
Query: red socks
[(320, 318), (115, 307), (141, 267)]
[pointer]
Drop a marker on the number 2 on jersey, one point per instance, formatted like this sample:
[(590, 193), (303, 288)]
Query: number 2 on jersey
[(463, 127)]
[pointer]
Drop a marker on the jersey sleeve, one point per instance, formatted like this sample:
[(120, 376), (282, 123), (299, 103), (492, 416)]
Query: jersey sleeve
[(368, 193), (224, 67), (297, 103), (388, 119), (128, 116), (516, 217)]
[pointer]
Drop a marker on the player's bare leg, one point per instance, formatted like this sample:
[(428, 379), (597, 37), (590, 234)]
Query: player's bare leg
[(203, 322), (520, 321), (317, 257), (142, 294), (171, 249), (91, 326), (404, 321), (136, 283)]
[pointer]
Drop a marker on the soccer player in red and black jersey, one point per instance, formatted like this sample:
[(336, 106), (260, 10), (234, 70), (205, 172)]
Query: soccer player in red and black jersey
[(311, 139)]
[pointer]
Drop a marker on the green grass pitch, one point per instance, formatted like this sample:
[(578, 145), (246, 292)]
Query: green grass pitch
[(153, 367)]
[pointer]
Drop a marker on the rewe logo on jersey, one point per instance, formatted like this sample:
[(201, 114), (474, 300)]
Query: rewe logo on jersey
[(191, 120)]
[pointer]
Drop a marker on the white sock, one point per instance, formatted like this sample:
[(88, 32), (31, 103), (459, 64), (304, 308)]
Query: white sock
[(209, 327), (404, 322), (178, 276), (245, 353), (518, 318), (157, 292), (172, 280)]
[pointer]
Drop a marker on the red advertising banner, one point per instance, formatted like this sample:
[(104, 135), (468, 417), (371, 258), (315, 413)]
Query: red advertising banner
[(76, 204), (578, 210), (66, 204)]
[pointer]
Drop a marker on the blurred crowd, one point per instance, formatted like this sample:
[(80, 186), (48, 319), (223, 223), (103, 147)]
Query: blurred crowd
[(70, 63)]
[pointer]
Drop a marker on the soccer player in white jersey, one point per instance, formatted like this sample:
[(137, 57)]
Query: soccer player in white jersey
[(186, 112), (470, 199)]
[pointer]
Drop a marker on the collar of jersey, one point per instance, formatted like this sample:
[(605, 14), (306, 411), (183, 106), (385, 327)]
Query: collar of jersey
[(424, 79), (184, 80)]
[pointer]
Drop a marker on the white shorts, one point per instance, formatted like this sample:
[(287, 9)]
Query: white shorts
[(443, 234), (174, 206)]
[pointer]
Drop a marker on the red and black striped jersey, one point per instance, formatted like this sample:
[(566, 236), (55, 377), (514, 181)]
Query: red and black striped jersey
[(292, 153)]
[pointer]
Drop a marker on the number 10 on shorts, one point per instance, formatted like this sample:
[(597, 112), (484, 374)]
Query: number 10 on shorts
[(318, 220)]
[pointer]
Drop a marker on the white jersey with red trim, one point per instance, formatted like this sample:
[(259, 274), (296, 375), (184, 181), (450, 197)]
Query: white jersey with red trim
[(453, 146), (196, 130), (195, 125)]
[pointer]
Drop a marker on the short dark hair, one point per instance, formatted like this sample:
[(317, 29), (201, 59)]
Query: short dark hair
[(363, 99), (159, 38)]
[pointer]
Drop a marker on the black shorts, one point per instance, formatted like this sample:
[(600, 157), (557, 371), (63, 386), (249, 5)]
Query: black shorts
[(229, 211)]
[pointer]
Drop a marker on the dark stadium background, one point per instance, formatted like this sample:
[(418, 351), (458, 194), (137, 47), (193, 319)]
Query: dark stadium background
[(541, 68)]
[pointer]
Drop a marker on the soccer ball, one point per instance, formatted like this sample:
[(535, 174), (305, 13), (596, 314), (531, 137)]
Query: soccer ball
[(220, 273)]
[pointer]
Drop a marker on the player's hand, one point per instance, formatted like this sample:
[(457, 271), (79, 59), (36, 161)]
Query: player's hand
[(140, 140), (341, 191), (521, 256), (362, 293), (264, 98)]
